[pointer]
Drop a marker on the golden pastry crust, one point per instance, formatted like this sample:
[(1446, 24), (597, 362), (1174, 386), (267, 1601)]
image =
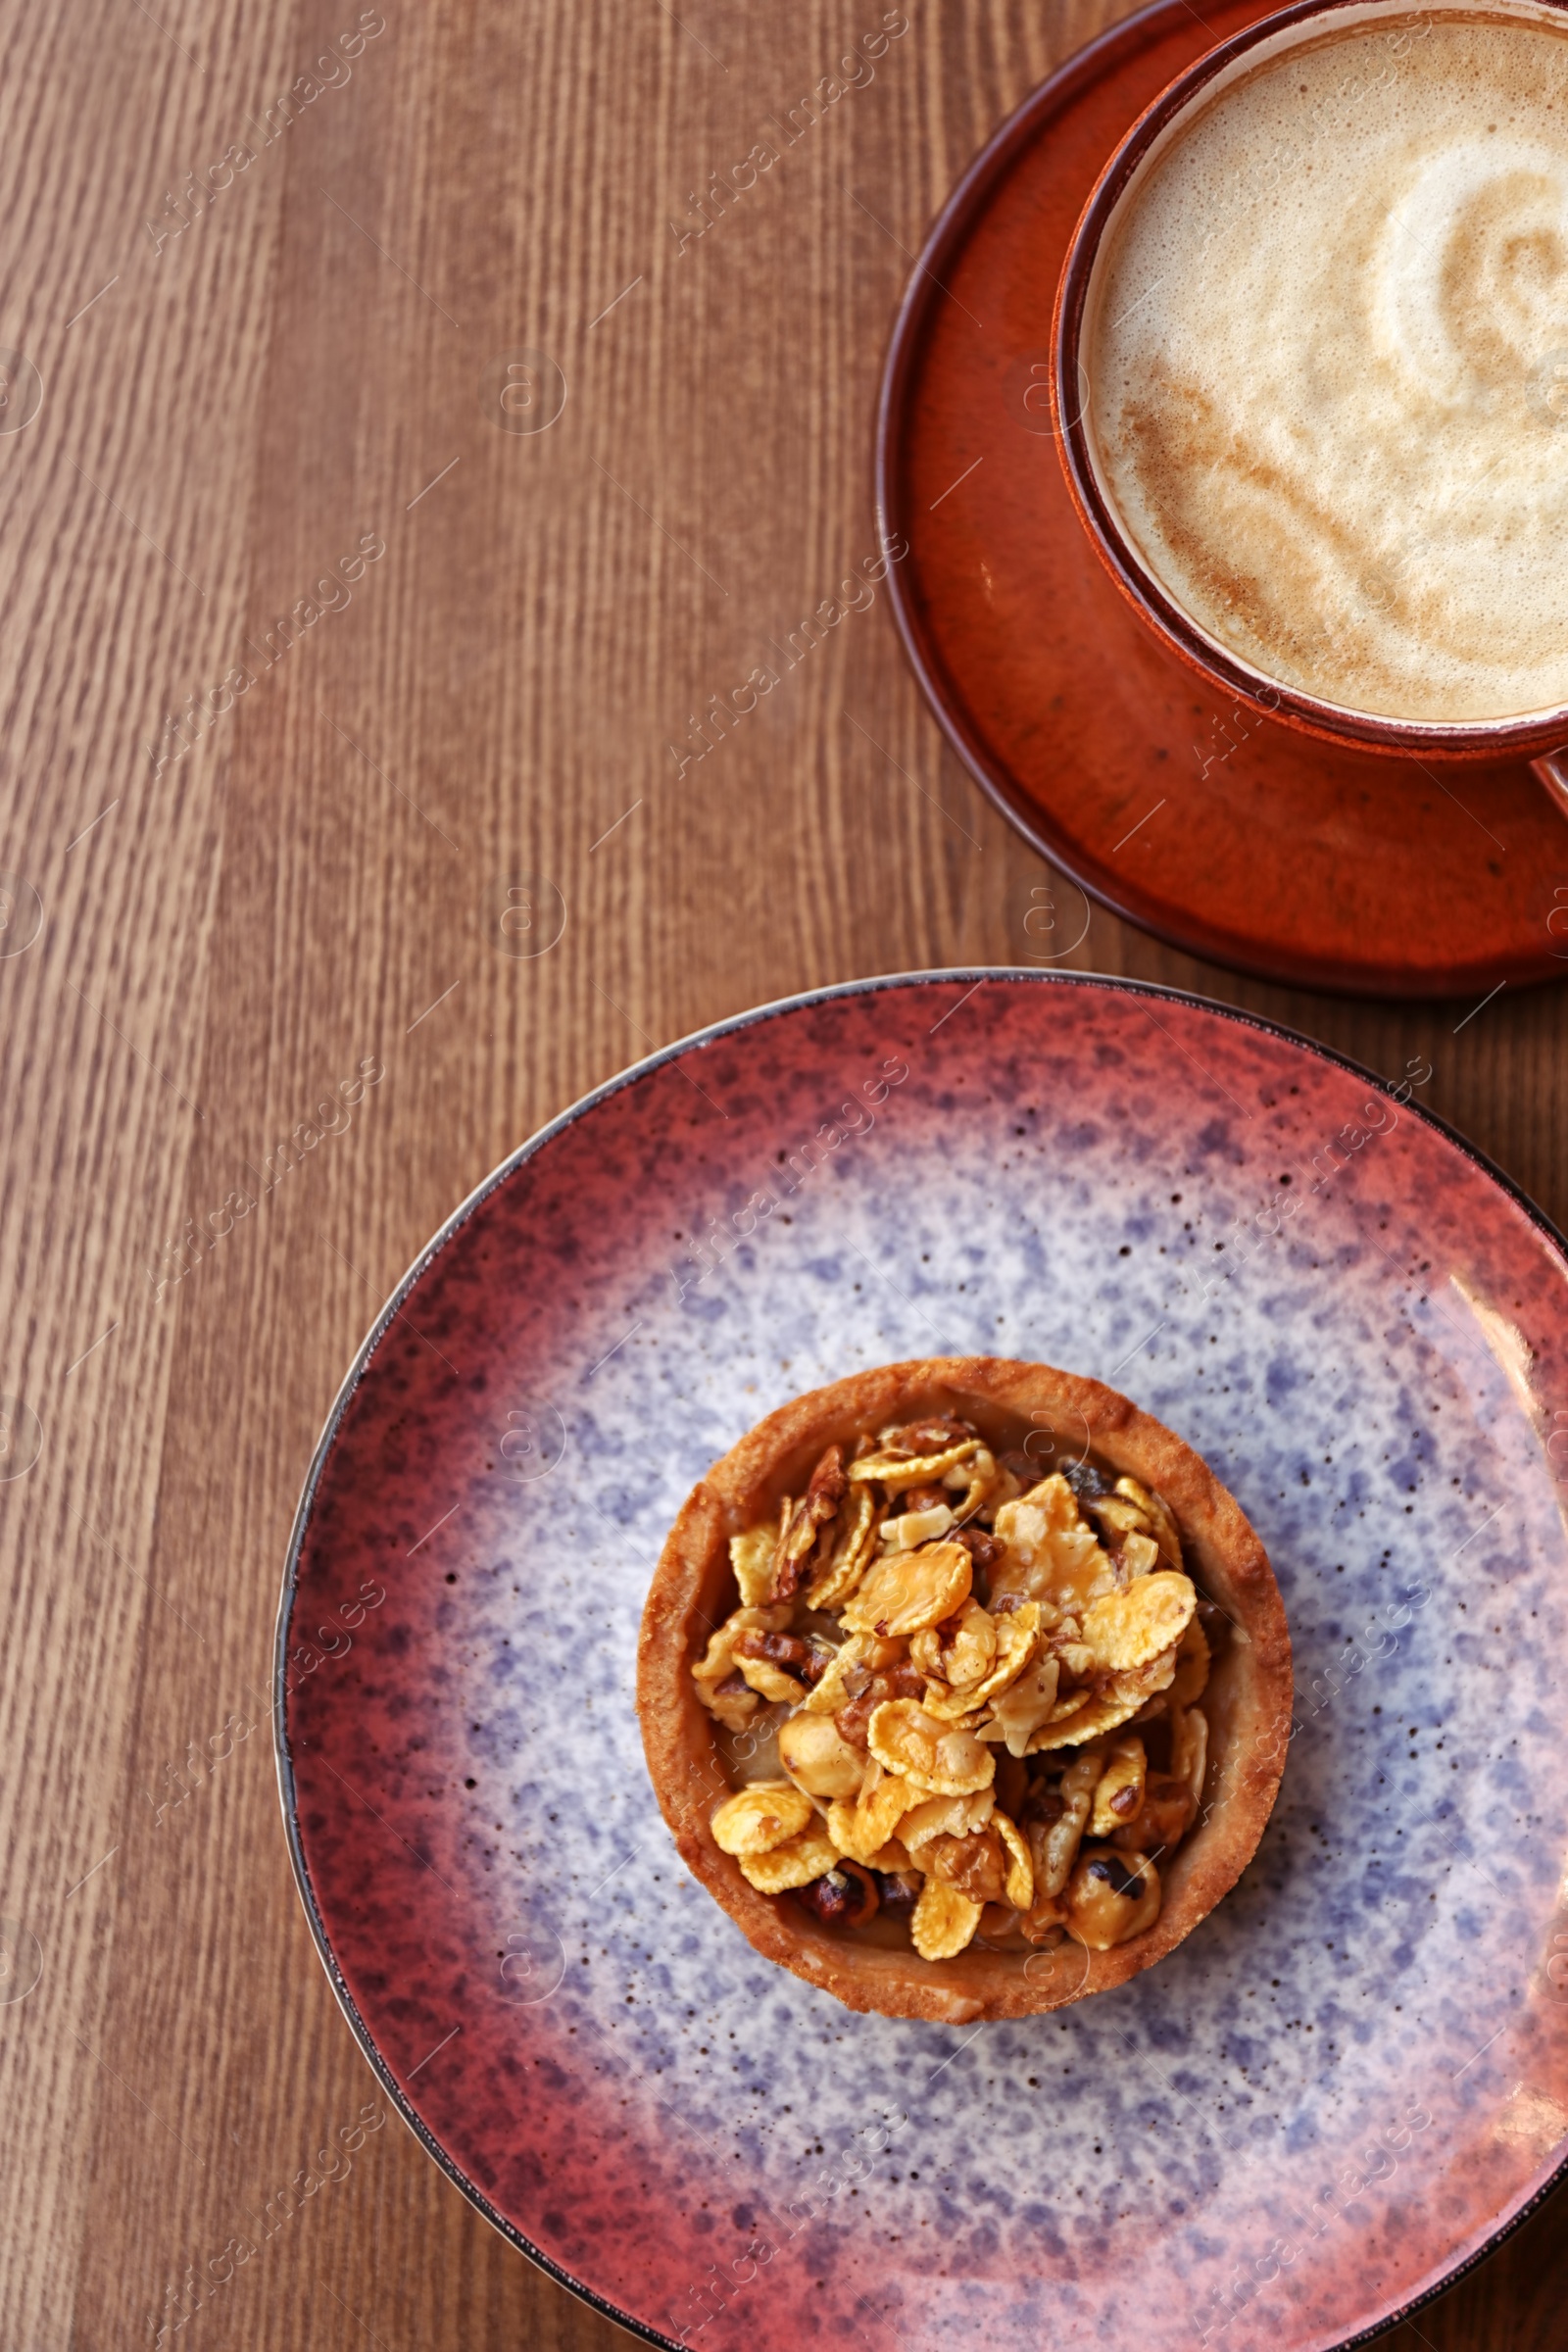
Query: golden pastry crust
[(1249, 1697)]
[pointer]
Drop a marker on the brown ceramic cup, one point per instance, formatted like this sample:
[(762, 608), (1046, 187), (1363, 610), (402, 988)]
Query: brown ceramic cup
[(1538, 736)]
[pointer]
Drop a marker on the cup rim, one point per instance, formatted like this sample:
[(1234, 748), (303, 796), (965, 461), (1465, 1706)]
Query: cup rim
[(1518, 734)]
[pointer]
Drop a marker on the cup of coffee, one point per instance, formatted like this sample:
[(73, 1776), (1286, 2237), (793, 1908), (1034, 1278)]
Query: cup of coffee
[(1310, 374)]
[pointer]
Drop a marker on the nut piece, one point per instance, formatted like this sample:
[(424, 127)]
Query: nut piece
[(756, 1820), (1128, 1629), (1054, 1843), (943, 1921), (831, 1692), (1120, 1791), (1051, 1553), (794, 1864), (758, 1664), (905, 1739), (801, 1523), (900, 1595), (975, 1864), (1162, 1821), (718, 1663), (818, 1758), (1111, 1897)]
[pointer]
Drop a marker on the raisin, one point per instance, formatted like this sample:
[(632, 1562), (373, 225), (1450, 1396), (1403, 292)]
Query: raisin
[(899, 1889), (984, 1551), (1086, 1481)]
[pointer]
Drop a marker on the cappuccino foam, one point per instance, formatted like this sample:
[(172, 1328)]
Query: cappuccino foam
[(1328, 364)]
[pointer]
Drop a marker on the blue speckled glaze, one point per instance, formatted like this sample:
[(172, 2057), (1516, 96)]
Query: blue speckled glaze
[(1354, 2071)]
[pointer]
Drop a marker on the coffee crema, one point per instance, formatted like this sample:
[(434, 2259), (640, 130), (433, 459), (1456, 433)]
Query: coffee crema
[(1327, 354)]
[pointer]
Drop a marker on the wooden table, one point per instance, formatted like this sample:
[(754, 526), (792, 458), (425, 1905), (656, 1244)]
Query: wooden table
[(267, 451)]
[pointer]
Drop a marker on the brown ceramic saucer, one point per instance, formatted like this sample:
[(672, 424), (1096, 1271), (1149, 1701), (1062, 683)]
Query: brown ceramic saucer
[(1208, 824), (1248, 1700)]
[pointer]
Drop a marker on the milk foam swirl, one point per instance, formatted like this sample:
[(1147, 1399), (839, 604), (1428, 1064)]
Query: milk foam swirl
[(1328, 355)]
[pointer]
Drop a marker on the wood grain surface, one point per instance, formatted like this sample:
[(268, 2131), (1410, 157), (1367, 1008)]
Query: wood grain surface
[(243, 394)]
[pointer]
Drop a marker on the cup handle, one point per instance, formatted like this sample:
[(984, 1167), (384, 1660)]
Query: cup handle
[(1551, 768)]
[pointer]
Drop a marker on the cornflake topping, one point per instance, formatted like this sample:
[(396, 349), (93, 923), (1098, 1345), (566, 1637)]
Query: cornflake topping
[(981, 1689)]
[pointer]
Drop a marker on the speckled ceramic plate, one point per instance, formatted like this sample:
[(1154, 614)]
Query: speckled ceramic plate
[(1353, 2076)]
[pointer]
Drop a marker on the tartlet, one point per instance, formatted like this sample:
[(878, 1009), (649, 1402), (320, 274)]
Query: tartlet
[(964, 1688)]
